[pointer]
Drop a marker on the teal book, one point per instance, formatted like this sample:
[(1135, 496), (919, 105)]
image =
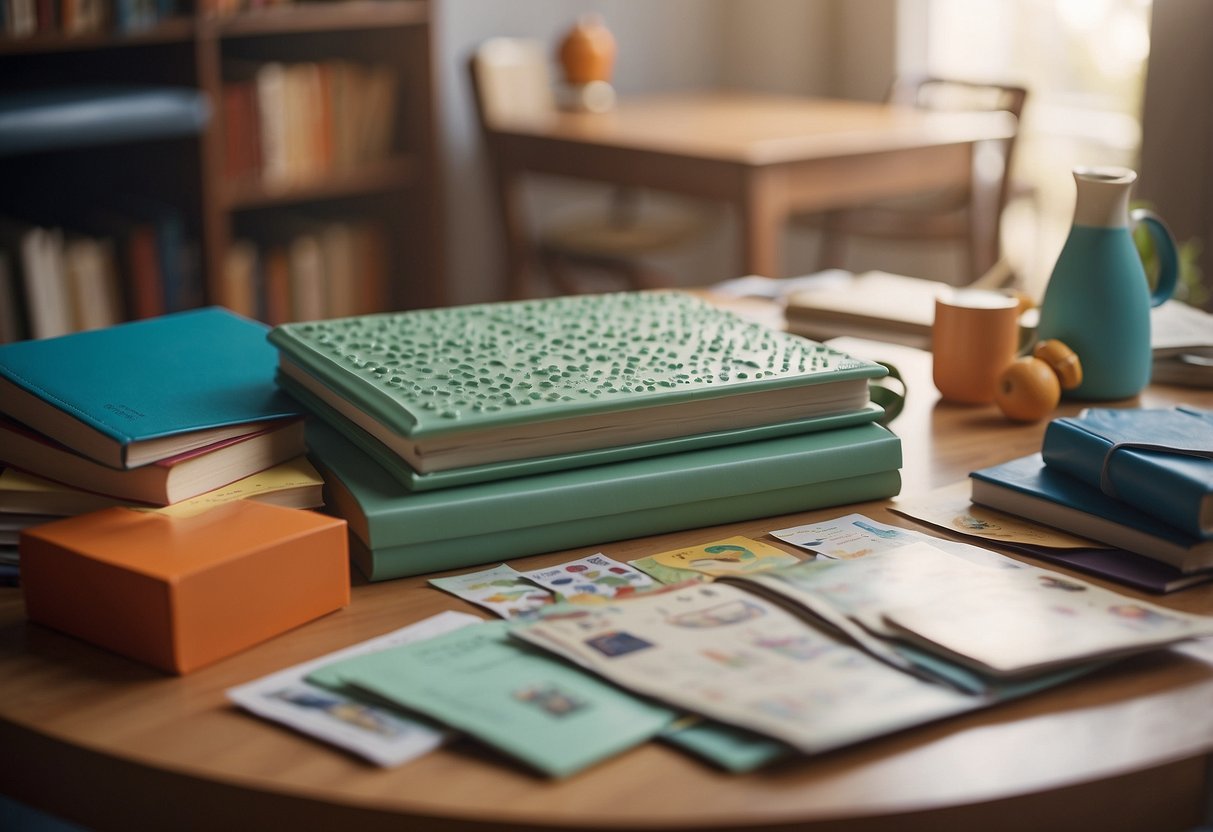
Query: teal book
[(404, 473), (510, 695), (1159, 461), (473, 385), (396, 532), (135, 393), (1027, 487)]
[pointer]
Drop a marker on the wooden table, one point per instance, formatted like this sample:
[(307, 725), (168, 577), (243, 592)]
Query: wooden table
[(112, 744), (767, 155)]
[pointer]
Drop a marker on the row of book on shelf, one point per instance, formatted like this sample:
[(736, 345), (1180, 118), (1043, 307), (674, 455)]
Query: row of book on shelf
[(88, 271), (459, 437), (24, 18), (286, 122), (306, 269), (99, 271)]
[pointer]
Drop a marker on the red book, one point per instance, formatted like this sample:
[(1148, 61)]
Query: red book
[(241, 142), (160, 483), (146, 289)]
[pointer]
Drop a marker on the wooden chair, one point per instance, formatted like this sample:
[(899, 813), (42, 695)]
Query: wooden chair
[(968, 217), (584, 249)]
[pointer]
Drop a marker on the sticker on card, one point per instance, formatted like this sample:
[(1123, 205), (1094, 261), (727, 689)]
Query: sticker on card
[(731, 556), (502, 590), (591, 579)]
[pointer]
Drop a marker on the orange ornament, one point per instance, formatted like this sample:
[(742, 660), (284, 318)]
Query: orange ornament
[(1062, 359), (587, 52), (1028, 390)]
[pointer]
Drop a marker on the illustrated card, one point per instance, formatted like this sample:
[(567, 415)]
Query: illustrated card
[(1032, 620), (950, 508), (502, 590), (855, 535), (737, 658), (520, 700), (731, 556), (371, 730), (591, 580)]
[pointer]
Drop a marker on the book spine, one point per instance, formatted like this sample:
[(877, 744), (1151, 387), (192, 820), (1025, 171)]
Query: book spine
[(1141, 479), (455, 553)]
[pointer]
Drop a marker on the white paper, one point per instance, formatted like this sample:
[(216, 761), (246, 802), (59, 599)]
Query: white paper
[(379, 734)]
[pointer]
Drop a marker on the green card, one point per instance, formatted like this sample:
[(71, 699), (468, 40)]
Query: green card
[(534, 707), (733, 749)]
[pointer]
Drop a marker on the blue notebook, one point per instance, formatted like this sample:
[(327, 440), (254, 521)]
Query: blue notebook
[(138, 392), (1026, 487), (1157, 460)]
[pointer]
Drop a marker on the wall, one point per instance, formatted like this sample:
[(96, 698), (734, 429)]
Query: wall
[(787, 46), (1177, 123)]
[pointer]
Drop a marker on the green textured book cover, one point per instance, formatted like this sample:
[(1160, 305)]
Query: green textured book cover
[(460, 386), (399, 533)]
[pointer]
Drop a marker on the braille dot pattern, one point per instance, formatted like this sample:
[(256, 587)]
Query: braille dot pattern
[(505, 359)]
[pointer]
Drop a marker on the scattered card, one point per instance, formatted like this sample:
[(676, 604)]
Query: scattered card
[(731, 556), (502, 590), (591, 580), (530, 705), (378, 733)]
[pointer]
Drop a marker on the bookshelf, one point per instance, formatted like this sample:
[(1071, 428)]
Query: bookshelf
[(363, 63)]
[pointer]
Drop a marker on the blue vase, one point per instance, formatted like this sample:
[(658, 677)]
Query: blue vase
[(1098, 299)]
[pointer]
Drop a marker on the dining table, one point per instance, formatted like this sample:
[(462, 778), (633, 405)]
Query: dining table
[(769, 156)]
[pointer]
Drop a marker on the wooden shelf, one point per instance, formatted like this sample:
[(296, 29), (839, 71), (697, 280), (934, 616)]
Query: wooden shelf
[(389, 175), (320, 17), (174, 30), (391, 207)]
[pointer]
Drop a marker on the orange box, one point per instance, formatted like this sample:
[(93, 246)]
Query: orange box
[(182, 592)]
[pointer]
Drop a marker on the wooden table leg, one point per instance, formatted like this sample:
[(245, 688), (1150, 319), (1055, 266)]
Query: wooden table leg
[(763, 213)]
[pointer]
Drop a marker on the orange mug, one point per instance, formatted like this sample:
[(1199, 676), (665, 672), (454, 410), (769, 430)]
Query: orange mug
[(974, 337)]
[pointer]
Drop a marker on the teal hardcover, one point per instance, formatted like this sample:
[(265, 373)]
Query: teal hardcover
[(584, 367), (397, 533), (1027, 487), (140, 381), (1157, 460), (404, 473)]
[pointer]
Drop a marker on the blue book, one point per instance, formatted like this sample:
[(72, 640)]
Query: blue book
[(1026, 487), (1157, 460), (135, 393)]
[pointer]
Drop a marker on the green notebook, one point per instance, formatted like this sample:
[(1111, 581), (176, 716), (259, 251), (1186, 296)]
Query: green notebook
[(403, 473), (466, 386), (397, 533)]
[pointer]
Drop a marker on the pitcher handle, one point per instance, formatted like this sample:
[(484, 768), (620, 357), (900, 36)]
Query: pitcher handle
[(1168, 256)]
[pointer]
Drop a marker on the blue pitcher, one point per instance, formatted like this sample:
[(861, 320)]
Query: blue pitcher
[(1098, 299)]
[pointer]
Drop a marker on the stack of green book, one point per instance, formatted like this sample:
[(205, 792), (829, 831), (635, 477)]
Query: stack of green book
[(458, 436)]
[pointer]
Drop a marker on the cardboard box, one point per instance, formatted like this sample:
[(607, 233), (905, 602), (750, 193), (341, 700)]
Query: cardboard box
[(182, 592)]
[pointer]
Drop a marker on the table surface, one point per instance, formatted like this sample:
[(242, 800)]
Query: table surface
[(111, 743), (756, 129)]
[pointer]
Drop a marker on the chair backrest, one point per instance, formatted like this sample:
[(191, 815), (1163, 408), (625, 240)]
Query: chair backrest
[(510, 76), (950, 94)]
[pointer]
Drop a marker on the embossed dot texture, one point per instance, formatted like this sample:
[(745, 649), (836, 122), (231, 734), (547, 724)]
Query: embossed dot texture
[(504, 362)]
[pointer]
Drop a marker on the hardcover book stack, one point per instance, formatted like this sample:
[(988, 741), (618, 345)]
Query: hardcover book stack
[(153, 413), (458, 436), (179, 412), (1135, 478)]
